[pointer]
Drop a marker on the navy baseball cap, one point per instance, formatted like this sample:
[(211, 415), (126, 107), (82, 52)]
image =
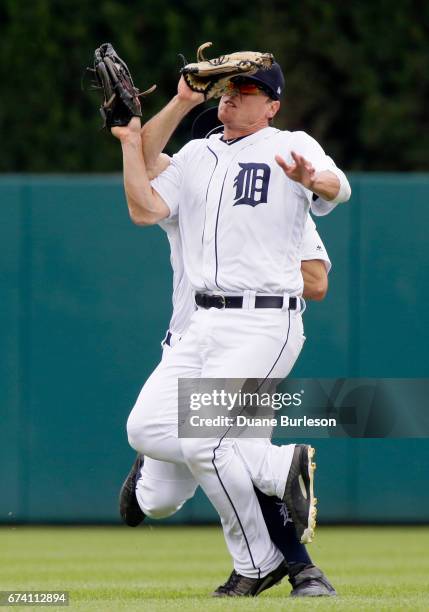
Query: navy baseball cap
[(272, 80)]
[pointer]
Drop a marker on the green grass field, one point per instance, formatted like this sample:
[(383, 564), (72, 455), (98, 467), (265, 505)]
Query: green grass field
[(169, 568)]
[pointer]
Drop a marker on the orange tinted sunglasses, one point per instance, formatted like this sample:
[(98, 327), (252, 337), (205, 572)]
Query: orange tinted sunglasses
[(249, 89)]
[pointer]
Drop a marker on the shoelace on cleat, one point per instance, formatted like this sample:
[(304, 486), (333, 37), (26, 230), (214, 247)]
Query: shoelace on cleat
[(231, 583)]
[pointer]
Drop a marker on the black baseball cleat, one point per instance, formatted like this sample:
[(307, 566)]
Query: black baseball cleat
[(299, 492), (128, 504), (309, 581), (242, 586)]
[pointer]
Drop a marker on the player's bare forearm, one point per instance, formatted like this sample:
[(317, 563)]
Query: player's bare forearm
[(157, 131), (145, 206), (325, 184), (315, 279)]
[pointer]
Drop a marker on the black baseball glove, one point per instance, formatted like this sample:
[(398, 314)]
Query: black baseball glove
[(120, 96)]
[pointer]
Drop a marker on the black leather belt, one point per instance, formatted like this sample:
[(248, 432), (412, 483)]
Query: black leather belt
[(168, 338), (236, 301)]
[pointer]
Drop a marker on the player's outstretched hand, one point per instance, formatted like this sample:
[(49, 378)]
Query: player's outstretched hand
[(185, 93), (126, 131), (300, 170)]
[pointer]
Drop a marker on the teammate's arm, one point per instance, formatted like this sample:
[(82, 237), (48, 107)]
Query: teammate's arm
[(158, 167), (315, 279), (158, 130), (315, 263), (145, 205)]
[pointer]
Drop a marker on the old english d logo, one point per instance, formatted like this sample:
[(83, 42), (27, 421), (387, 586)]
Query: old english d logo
[(251, 184)]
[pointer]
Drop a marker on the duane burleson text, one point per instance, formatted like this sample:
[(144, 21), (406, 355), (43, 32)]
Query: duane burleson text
[(244, 421)]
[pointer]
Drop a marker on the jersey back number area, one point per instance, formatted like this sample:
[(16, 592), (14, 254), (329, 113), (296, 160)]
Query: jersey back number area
[(251, 184)]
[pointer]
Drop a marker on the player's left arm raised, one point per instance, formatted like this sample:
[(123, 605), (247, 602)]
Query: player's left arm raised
[(325, 183), (316, 172)]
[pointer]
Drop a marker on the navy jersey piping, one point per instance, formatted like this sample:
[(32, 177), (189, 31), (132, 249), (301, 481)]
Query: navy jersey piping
[(216, 226), (208, 187), (205, 208)]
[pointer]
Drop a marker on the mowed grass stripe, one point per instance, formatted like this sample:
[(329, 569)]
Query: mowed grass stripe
[(176, 568)]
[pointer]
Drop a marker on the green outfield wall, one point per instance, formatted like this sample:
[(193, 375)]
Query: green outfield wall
[(85, 301)]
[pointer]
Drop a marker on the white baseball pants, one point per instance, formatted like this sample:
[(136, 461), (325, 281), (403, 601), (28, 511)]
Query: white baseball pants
[(255, 343)]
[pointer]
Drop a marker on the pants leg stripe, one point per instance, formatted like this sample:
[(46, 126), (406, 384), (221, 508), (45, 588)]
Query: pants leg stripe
[(234, 508), (280, 354), (220, 442)]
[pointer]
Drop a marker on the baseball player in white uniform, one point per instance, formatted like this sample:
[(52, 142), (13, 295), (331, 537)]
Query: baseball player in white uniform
[(159, 489), (241, 209)]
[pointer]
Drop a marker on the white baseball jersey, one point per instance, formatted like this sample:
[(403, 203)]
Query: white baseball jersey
[(312, 247), (241, 219), (183, 293)]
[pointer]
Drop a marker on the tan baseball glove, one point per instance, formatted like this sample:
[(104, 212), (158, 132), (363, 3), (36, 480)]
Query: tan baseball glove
[(211, 77)]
